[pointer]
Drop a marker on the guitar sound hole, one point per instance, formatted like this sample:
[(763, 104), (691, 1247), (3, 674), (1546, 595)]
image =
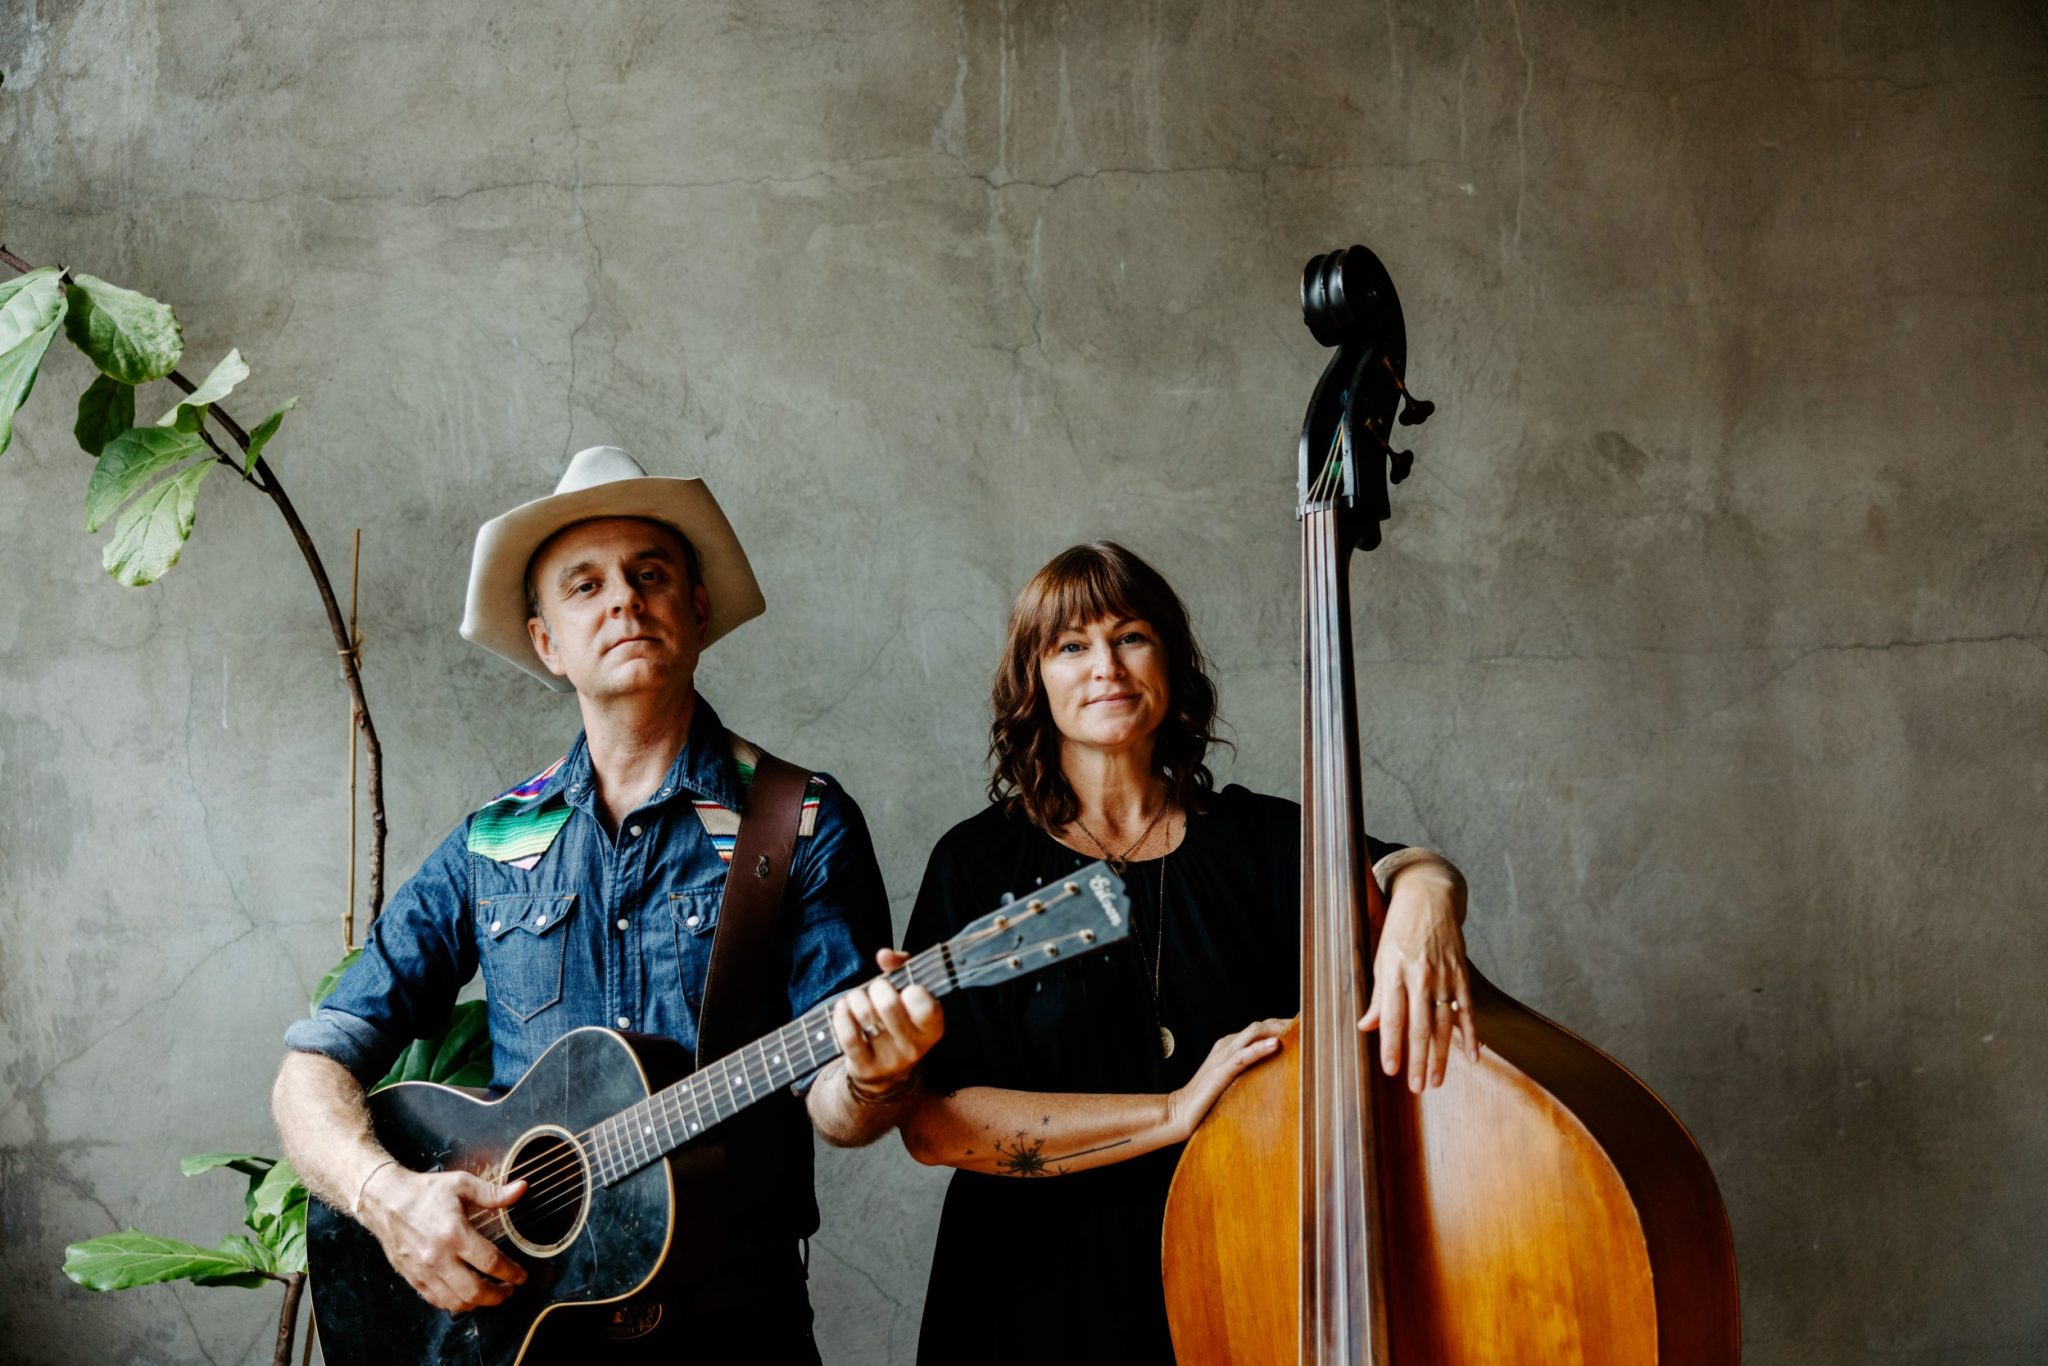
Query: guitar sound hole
[(550, 1214)]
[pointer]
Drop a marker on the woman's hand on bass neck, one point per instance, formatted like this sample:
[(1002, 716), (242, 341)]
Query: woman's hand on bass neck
[(1422, 994)]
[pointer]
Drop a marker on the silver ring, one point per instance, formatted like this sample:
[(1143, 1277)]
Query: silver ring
[(869, 1031), (1450, 1001)]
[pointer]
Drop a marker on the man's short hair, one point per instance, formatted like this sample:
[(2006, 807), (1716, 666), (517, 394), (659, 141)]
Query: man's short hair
[(689, 557)]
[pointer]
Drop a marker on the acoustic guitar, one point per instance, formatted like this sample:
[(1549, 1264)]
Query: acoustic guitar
[(603, 1147)]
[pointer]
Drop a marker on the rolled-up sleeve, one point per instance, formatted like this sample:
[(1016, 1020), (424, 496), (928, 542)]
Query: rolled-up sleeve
[(415, 958)]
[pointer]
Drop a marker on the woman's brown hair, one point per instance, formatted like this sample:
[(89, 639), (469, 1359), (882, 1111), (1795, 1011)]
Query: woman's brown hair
[(1081, 584)]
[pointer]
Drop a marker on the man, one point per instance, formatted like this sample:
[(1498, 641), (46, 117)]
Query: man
[(589, 894)]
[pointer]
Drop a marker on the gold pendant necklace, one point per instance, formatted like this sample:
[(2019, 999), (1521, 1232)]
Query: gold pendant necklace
[(1158, 964), (1159, 946)]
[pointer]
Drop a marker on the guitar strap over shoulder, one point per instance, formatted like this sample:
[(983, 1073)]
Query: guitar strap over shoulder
[(744, 967)]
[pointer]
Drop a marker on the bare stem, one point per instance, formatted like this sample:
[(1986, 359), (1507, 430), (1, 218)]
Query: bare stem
[(288, 1320), (351, 665)]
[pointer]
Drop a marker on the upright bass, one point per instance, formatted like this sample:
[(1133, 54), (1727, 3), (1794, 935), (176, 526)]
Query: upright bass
[(1542, 1207)]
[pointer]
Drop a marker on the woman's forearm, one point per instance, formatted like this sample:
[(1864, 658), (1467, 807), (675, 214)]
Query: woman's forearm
[(1037, 1133)]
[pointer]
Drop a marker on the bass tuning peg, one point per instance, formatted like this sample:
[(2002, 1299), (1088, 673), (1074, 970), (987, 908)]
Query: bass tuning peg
[(1399, 462), (1414, 411)]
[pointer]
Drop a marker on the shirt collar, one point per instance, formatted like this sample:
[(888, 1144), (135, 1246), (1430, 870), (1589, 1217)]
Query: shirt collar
[(704, 768)]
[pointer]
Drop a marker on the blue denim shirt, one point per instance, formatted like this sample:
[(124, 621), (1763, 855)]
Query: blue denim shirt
[(604, 929)]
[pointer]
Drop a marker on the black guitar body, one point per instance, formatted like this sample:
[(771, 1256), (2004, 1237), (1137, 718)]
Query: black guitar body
[(604, 1262), (580, 1242)]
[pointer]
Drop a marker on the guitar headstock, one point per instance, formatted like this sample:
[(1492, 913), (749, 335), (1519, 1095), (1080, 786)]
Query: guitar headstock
[(1346, 459), (1080, 913)]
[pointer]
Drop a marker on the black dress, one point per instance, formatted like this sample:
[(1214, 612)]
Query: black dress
[(1063, 1270)]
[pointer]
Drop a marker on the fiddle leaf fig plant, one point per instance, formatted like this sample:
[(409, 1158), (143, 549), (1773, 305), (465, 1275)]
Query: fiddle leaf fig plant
[(274, 1199)]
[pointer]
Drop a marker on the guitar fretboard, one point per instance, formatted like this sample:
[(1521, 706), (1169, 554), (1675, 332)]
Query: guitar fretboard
[(653, 1128)]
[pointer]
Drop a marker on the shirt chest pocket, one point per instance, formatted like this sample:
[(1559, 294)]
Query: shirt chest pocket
[(523, 948), (695, 917)]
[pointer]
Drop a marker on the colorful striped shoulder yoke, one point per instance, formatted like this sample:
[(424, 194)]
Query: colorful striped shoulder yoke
[(518, 826)]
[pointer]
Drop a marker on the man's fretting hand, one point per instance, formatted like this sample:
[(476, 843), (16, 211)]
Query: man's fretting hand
[(884, 1033)]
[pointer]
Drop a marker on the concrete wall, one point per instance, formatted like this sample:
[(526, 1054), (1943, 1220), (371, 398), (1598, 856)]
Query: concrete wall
[(1709, 637)]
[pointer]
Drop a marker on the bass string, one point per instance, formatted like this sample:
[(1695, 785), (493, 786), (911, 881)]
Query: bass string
[(1336, 1077)]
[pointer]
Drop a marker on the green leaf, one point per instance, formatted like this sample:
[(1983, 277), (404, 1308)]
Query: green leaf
[(459, 1056), (266, 429), (31, 306), (270, 1194), (152, 532), (28, 304), (130, 461), (127, 335), (253, 1256), (221, 382), (327, 983), (278, 1216), (124, 1260), (105, 410), (249, 1164), (287, 1239)]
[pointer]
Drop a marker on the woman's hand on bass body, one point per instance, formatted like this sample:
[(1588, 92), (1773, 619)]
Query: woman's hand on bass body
[(1231, 1055), (1421, 992)]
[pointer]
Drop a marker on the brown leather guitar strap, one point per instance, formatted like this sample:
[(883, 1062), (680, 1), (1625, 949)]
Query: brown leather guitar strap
[(744, 969)]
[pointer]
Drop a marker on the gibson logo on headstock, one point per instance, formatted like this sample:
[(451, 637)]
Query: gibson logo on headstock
[(1105, 892)]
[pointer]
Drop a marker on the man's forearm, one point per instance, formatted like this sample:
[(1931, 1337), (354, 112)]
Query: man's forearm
[(847, 1120), (325, 1126)]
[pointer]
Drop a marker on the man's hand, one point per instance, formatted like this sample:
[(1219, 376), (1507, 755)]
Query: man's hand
[(423, 1221), (883, 1032)]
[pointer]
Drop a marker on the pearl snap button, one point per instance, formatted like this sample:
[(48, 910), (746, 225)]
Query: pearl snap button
[(625, 1023), (497, 925), (622, 922), (633, 830), (541, 919), (691, 921)]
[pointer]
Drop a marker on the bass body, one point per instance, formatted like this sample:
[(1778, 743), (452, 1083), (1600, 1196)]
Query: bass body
[(582, 1243), (1542, 1205)]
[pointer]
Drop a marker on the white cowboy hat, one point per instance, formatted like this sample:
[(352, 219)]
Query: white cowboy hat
[(603, 481)]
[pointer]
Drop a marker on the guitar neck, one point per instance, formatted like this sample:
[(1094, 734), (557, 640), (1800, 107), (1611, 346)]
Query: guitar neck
[(644, 1133)]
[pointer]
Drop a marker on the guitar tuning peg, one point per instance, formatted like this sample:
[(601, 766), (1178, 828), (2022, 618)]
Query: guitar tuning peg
[(1414, 411)]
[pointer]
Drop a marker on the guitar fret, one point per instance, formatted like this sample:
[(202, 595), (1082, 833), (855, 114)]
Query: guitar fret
[(624, 1143)]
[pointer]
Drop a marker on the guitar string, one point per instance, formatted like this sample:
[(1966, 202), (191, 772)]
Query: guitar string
[(596, 1148), (564, 1188), (591, 1151), (565, 1167)]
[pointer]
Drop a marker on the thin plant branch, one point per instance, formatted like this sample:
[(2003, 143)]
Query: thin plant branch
[(267, 481)]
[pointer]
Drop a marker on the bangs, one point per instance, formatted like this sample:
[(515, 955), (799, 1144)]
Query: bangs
[(1076, 588)]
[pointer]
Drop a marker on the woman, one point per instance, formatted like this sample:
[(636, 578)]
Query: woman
[(1094, 1073)]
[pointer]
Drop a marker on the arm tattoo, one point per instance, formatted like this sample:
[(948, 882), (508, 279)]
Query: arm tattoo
[(1029, 1159)]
